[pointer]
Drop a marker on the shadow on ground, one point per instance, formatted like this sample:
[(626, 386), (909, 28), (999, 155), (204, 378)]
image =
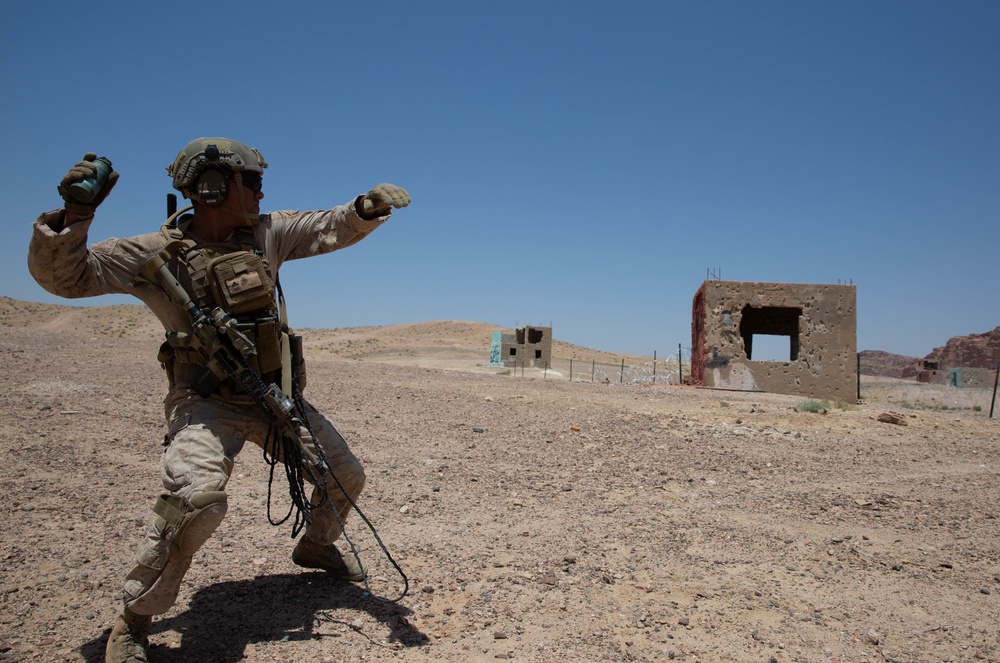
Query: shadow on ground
[(224, 618)]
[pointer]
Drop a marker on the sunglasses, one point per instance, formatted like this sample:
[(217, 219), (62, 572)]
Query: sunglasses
[(253, 181)]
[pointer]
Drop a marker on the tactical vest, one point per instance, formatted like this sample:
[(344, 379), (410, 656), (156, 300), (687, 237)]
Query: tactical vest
[(235, 277)]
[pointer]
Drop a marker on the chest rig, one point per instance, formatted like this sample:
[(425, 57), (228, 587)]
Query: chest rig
[(233, 276)]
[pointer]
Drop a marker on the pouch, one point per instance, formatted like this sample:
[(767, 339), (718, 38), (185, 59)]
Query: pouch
[(240, 282)]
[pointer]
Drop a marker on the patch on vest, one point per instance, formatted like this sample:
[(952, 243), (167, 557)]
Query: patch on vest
[(240, 282)]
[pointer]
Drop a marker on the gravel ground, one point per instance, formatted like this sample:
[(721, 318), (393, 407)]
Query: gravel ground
[(535, 520)]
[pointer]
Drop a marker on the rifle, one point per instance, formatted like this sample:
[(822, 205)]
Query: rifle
[(226, 350)]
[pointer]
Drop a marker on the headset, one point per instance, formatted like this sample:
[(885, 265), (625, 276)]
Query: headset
[(212, 186)]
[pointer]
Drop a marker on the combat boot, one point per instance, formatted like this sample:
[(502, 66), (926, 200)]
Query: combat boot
[(129, 639), (328, 558)]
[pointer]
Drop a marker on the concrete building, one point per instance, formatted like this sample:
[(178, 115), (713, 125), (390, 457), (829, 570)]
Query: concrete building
[(530, 347), (816, 323)]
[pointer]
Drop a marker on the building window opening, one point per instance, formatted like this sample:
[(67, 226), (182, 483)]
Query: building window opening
[(770, 333), (535, 335), (513, 352), (538, 354)]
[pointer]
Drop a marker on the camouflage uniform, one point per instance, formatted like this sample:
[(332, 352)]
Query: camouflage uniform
[(204, 434)]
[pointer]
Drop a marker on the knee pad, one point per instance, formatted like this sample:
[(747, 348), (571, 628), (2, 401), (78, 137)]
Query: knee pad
[(165, 556)]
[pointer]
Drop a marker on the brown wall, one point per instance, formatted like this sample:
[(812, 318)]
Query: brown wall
[(818, 322), (528, 346)]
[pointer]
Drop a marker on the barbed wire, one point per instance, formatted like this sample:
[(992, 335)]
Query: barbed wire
[(670, 369), (922, 396)]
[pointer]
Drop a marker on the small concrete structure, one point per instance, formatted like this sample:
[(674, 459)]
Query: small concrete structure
[(931, 372), (818, 321), (530, 347)]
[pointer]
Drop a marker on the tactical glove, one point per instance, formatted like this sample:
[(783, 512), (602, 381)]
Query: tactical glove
[(85, 169), (381, 199)]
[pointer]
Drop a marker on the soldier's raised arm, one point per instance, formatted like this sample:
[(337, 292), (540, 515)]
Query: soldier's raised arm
[(84, 188)]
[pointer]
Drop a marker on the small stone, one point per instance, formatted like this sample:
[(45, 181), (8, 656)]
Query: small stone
[(683, 621), (872, 636), (499, 635)]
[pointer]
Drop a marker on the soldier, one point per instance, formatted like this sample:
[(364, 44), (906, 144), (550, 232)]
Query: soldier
[(225, 255)]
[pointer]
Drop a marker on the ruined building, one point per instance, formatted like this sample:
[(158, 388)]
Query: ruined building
[(819, 323), (530, 347)]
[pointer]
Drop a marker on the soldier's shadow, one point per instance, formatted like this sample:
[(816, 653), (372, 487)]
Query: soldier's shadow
[(224, 618)]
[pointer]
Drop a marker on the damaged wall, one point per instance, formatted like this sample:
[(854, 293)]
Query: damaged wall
[(818, 323), (527, 346)]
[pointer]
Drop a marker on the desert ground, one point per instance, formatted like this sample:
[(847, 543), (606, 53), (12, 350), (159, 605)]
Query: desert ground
[(535, 519)]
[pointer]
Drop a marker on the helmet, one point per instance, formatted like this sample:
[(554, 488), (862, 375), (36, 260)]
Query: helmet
[(212, 153)]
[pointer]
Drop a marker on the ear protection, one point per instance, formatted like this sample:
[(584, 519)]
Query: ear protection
[(211, 187)]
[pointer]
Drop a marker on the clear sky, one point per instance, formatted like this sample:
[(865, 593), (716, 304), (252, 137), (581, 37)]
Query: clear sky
[(581, 164)]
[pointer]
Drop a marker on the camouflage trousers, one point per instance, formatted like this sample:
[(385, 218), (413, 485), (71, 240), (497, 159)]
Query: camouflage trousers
[(203, 440)]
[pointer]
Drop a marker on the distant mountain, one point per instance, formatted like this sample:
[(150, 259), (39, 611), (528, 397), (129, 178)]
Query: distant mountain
[(886, 364), (973, 351)]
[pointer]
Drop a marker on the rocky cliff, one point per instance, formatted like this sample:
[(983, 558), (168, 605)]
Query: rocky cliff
[(974, 351)]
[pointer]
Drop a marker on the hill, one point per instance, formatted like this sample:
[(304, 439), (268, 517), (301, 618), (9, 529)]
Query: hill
[(449, 344), (887, 364)]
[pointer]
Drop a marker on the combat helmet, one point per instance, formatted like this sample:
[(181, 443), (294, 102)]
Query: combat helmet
[(214, 155)]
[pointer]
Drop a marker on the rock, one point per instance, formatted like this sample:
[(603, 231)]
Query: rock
[(892, 418), (872, 637)]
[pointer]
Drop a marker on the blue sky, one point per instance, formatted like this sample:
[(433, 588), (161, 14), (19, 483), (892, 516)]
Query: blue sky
[(580, 164)]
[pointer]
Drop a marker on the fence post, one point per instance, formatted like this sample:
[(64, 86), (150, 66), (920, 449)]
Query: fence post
[(570, 370), (859, 377), (680, 365), (654, 366), (621, 376), (996, 379), (593, 366)]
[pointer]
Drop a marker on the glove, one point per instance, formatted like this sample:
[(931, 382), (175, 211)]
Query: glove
[(381, 199), (81, 171)]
